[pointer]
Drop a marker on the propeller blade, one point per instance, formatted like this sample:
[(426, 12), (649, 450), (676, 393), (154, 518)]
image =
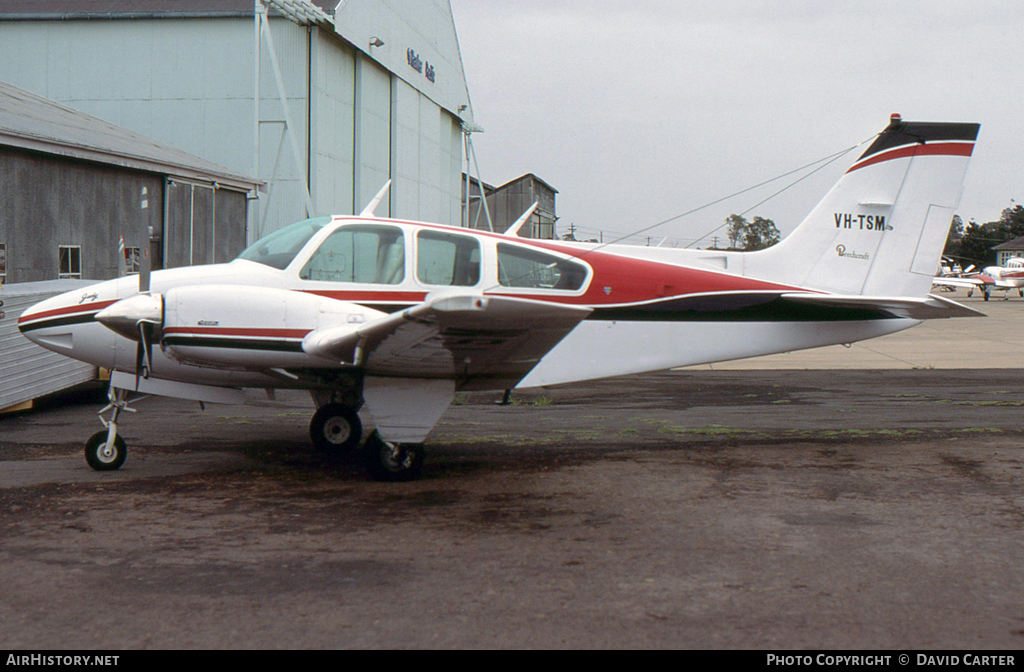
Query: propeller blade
[(145, 261), (145, 243), (144, 353), (122, 262)]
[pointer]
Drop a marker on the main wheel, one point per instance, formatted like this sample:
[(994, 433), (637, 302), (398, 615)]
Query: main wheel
[(335, 427), (101, 459), (392, 462)]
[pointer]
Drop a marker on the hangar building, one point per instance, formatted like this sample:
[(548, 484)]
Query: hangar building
[(72, 184), (323, 101)]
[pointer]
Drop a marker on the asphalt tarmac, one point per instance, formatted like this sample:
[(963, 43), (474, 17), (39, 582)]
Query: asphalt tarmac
[(850, 498)]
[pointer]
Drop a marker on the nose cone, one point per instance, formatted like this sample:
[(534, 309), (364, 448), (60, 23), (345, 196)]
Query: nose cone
[(124, 316), (51, 323), (55, 312)]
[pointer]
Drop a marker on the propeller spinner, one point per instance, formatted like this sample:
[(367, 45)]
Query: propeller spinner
[(140, 318)]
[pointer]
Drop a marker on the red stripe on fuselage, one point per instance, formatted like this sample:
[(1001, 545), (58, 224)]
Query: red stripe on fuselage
[(932, 149), (66, 311)]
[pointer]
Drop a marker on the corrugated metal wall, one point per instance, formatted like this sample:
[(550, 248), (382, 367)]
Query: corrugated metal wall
[(28, 371), (47, 201)]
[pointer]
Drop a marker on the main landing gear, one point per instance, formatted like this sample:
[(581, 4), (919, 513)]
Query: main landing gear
[(392, 462), (336, 428)]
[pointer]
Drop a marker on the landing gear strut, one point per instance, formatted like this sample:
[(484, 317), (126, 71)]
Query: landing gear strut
[(106, 450)]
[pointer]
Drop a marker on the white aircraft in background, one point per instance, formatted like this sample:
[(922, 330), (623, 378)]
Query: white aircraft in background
[(397, 316), (1006, 278)]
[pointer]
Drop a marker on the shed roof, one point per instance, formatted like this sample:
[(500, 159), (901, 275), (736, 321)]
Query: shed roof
[(1015, 244), (32, 122), (73, 9)]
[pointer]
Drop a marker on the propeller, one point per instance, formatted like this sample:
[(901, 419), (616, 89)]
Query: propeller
[(139, 317)]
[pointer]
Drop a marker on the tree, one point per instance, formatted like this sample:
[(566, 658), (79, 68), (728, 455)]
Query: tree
[(749, 236), (973, 244), (761, 233), (736, 230)]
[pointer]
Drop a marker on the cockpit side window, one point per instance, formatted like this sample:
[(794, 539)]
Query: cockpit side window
[(447, 259), (279, 248), (363, 253), (526, 267)]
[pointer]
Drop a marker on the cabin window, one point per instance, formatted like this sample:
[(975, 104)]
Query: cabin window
[(69, 261), (526, 267), (279, 248), (447, 259), (367, 253)]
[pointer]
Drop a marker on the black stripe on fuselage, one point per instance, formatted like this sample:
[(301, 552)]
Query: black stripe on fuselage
[(717, 308), (58, 322), (233, 343), (734, 308)]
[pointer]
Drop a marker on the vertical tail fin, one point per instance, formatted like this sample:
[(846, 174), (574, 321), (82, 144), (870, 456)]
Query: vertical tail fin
[(881, 229)]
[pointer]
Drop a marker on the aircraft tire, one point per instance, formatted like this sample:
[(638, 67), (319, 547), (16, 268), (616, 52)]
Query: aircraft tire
[(390, 462), (335, 427), (98, 461)]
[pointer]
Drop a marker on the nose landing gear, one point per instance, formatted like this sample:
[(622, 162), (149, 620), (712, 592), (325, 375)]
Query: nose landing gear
[(106, 450)]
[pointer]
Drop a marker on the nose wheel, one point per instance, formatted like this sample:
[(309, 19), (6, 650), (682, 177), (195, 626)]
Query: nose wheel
[(104, 455)]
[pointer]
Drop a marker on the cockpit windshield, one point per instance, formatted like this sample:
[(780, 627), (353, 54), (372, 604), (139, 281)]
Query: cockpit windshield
[(278, 249)]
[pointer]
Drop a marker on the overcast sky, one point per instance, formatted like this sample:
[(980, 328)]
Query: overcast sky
[(638, 111)]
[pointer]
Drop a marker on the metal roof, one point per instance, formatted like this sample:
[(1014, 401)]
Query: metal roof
[(99, 9), (1015, 244), (32, 122)]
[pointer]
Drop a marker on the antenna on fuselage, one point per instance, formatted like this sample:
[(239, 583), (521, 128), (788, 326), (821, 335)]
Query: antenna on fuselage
[(369, 210), (513, 231)]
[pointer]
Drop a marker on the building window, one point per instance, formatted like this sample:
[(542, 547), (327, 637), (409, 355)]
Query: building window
[(131, 259), (69, 264), (3, 262)]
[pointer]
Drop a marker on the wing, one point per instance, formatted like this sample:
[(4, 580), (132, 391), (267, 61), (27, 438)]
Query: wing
[(969, 283), (928, 308), (482, 342)]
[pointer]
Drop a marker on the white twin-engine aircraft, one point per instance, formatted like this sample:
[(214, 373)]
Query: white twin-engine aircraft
[(1005, 278), (399, 316)]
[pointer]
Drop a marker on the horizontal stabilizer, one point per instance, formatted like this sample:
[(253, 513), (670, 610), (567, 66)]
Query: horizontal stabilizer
[(928, 308)]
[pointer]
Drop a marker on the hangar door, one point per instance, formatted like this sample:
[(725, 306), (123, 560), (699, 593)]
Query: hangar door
[(205, 224)]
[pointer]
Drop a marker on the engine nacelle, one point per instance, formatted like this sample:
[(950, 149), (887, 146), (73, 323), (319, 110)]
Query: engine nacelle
[(251, 328)]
